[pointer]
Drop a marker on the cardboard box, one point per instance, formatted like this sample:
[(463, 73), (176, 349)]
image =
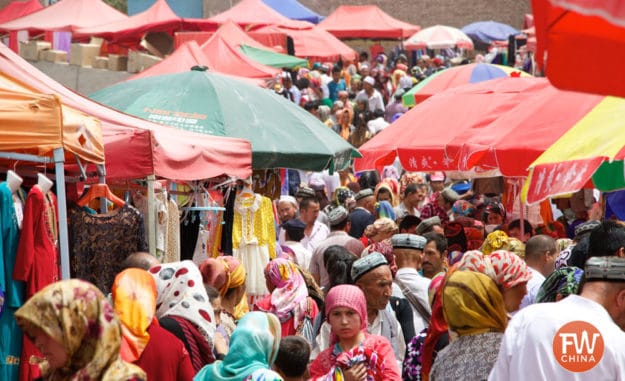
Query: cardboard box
[(117, 62), (54, 55), (100, 62), (138, 61), (83, 54), (32, 50)]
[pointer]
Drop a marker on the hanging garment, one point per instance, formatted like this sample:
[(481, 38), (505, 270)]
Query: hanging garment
[(254, 239), (37, 260), (10, 333), (100, 242), (172, 253), (140, 201)]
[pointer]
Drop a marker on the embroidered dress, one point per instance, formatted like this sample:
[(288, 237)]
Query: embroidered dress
[(254, 239), (172, 254)]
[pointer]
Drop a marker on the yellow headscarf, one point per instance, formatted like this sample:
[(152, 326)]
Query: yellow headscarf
[(76, 314), (497, 240), (473, 304), (134, 301), (235, 277)]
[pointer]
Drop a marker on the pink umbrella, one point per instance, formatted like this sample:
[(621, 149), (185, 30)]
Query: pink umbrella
[(438, 37)]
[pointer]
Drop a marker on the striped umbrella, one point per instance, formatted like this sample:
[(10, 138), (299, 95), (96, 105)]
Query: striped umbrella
[(438, 37)]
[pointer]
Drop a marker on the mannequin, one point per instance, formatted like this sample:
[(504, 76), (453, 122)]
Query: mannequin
[(44, 183), (13, 181)]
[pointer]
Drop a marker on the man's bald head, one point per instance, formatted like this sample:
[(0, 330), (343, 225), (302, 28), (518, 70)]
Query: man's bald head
[(140, 260)]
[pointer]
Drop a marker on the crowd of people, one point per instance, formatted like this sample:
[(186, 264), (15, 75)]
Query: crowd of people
[(412, 278)]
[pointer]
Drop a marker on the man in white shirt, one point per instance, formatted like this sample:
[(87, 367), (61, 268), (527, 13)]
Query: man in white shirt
[(408, 206), (373, 96), (294, 233), (578, 338), (378, 123), (287, 210), (540, 256), (409, 284), (315, 231)]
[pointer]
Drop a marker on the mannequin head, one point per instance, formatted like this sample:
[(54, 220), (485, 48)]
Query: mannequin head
[(44, 183), (13, 180)]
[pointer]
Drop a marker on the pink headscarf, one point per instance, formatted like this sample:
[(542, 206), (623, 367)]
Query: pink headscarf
[(289, 296), (348, 296)]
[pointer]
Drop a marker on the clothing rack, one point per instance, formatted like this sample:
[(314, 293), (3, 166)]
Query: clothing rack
[(58, 158)]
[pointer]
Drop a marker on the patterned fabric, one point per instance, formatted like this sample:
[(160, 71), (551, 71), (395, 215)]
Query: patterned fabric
[(411, 367), (438, 325), (474, 260), (458, 361), (384, 209), (100, 242), (463, 208), (510, 269), (497, 240), (563, 258), (497, 208), (409, 178), (432, 209), (472, 304), (182, 293), (134, 301), (456, 237), (253, 347), (384, 247), (359, 354), (288, 299), (516, 246), (76, 314), (564, 281)]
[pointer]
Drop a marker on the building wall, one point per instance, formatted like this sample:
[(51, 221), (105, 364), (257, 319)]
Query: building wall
[(425, 13)]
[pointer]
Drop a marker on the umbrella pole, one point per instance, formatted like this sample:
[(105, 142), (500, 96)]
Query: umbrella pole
[(151, 215), (521, 212)]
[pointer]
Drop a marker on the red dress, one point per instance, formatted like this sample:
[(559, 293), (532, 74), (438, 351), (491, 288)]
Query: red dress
[(288, 329), (165, 357)]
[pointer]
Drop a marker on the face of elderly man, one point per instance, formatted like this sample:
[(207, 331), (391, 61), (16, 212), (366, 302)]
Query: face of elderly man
[(377, 287), (286, 211)]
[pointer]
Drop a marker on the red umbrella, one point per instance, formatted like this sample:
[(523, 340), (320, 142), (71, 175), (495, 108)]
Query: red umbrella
[(503, 125), (585, 42)]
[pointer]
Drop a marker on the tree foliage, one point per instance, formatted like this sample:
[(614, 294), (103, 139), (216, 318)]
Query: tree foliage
[(120, 5)]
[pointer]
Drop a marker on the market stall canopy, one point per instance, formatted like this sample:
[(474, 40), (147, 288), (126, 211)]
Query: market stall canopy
[(314, 44), (569, 29), (236, 36), (500, 125), (157, 18), (294, 10), (273, 59), (438, 37), (149, 148), (66, 16), (366, 21), (251, 14), (17, 9), (488, 31), (283, 135), (592, 149), (457, 76)]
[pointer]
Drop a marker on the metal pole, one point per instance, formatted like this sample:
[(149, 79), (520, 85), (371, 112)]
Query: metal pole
[(521, 209), (59, 166), (151, 215)]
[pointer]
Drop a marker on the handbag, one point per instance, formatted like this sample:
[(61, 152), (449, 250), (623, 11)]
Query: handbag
[(306, 328)]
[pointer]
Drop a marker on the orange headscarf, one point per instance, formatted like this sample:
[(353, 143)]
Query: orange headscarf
[(134, 302)]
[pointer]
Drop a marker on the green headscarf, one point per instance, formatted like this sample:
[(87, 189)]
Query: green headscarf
[(253, 349), (564, 281)]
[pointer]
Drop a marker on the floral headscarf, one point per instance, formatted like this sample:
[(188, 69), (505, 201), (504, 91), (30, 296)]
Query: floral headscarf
[(134, 301), (289, 297), (497, 240), (182, 293), (253, 349), (76, 314), (504, 267), (463, 208), (564, 281)]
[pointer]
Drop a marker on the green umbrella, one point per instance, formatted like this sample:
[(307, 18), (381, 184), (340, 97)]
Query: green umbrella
[(282, 134), (269, 58)]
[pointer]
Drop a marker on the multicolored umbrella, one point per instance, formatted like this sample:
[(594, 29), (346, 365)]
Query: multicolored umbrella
[(438, 37), (457, 76), (283, 135), (488, 31), (592, 149)]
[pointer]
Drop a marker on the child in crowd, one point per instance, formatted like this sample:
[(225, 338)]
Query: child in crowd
[(292, 360)]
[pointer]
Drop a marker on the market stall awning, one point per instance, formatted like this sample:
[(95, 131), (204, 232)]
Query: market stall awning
[(489, 31), (66, 16), (17, 9), (157, 18), (438, 37), (366, 21), (254, 13), (294, 10), (593, 149), (567, 30), (503, 125), (273, 59), (282, 134), (170, 150)]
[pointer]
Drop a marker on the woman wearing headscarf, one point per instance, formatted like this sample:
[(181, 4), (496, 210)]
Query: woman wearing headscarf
[(289, 299), (183, 308), (253, 349), (73, 325), (353, 354), (377, 238), (227, 275), (384, 192), (559, 284), (507, 269), (144, 342), (422, 350), (474, 309), (344, 126)]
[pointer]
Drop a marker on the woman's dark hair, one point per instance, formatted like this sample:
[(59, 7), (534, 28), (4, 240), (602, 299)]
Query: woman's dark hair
[(338, 262)]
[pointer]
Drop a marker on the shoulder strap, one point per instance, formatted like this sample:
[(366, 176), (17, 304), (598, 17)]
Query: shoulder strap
[(416, 303)]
